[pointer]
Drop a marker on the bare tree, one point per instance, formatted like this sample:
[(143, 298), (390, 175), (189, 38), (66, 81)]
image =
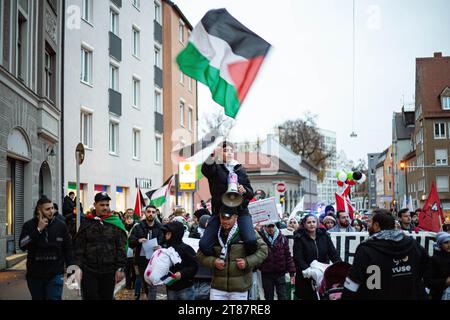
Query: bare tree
[(217, 121), (304, 138)]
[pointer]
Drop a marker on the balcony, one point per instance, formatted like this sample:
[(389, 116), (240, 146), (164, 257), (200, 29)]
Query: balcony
[(115, 46), (158, 32), (115, 102), (158, 77), (159, 122)]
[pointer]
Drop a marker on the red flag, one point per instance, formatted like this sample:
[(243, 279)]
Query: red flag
[(139, 203), (431, 217), (343, 203)]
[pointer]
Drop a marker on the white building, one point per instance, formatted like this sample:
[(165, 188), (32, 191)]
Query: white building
[(109, 96), (328, 186)]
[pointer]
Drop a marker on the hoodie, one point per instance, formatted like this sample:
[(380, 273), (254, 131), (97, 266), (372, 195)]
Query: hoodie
[(395, 264), (188, 266)]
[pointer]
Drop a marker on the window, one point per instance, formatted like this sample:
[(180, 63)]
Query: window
[(190, 84), (136, 92), (442, 183), (113, 77), (181, 32), (439, 130), (446, 103), (190, 113), (157, 57), (158, 149), (49, 74), (389, 170), (158, 105), (86, 65), (114, 17), (390, 185), (157, 12), (441, 157), (136, 42), (182, 77), (182, 114), (22, 47), (86, 129), (113, 137), (87, 10), (136, 144), (137, 3)]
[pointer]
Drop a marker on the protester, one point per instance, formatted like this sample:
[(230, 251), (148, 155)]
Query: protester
[(184, 272), (198, 231), (415, 217), (217, 169), (49, 247), (292, 224), (311, 243), (278, 262), (404, 217), (329, 211), (342, 223), (130, 274), (437, 275), (358, 225), (69, 204), (329, 222), (232, 274), (100, 251), (196, 218), (394, 262), (165, 220), (147, 229)]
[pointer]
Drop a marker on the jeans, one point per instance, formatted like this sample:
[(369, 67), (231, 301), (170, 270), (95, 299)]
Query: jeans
[(46, 289), (202, 289), (97, 286), (246, 231), (148, 289), (184, 294), (130, 274), (271, 282), (137, 286)]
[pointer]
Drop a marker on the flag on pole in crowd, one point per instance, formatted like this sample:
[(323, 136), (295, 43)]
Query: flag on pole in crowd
[(404, 204), (410, 205), (343, 202), (139, 204), (431, 217), (224, 55), (159, 196)]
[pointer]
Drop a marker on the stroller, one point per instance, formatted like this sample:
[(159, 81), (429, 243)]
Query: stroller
[(332, 284)]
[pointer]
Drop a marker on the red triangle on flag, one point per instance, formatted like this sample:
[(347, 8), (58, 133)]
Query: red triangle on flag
[(243, 73), (139, 203)]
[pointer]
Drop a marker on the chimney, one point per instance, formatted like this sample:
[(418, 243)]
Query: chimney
[(438, 54)]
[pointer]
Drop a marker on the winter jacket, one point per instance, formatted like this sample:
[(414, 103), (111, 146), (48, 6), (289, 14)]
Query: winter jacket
[(68, 206), (400, 261), (306, 250), (48, 250), (337, 228), (217, 175), (100, 246), (279, 259), (233, 279), (437, 272), (188, 266), (143, 230)]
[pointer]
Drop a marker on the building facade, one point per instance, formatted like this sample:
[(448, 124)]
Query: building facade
[(179, 92), (372, 161), (109, 100), (327, 188), (30, 111)]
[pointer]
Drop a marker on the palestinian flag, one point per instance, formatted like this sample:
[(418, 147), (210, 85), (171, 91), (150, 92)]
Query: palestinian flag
[(432, 217), (224, 55), (139, 204), (158, 196)]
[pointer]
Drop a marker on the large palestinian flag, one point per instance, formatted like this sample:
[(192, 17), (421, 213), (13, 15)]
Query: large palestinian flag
[(224, 55), (159, 196)]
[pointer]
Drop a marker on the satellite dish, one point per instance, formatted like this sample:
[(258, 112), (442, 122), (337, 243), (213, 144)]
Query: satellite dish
[(353, 134)]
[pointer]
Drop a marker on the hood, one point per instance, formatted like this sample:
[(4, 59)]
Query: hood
[(177, 229), (393, 243), (203, 220)]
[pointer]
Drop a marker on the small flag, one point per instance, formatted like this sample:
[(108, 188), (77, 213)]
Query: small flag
[(158, 196), (224, 55), (139, 204), (169, 279)]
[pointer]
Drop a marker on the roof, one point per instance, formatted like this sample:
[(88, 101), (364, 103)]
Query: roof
[(180, 13), (309, 164), (403, 132)]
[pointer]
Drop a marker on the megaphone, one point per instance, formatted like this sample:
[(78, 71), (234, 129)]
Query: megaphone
[(232, 198)]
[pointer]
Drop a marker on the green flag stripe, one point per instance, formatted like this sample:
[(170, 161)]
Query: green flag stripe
[(158, 202), (196, 66)]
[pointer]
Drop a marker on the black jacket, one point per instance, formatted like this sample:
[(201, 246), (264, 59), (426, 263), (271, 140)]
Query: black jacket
[(188, 266), (217, 175), (142, 230), (68, 206), (100, 246), (48, 251), (438, 270), (306, 250), (401, 266)]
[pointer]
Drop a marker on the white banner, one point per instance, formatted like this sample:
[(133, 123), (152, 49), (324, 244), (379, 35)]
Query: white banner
[(347, 242), (264, 211)]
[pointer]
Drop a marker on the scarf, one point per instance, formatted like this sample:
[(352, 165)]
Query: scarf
[(393, 234), (111, 219), (233, 233), (272, 238)]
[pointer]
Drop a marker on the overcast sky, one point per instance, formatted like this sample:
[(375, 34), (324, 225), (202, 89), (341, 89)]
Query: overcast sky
[(310, 65)]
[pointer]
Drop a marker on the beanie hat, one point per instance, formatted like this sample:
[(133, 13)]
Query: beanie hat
[(203, 220), (329, 218), (441, 238), (329, 208)]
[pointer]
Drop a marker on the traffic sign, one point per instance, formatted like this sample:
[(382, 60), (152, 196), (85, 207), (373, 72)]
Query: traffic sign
[(281, 187)]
